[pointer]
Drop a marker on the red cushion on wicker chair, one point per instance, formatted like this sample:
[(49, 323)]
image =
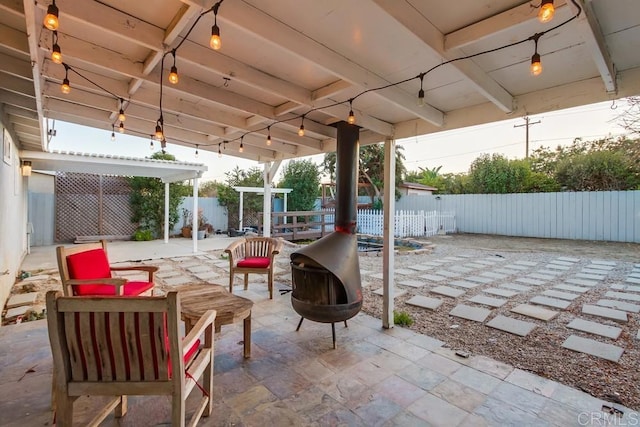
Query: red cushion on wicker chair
[(254, 262)]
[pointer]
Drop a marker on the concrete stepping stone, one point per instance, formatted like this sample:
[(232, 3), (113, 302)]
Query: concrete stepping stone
[(447, 291), (635, 274), (563, 263), (199, 269), (539, 276), (535, 311), (589, 276), (17, 311), (42, 277), (433, 277), (500, 292), (581, 282), (493, 275), (420, 267), (558, 267), (449, 274), (559, 294), (553, 273), (491, 302), (623, 295), (470, 313), (526, 263), (208, 276), (516, 287), (595, 328), (463, 284), (630, 288), (479, 279), (376, 276), (397, 292), (433, 263), (178, 280), (403, 271), (593, 347), (609, 313), (568, 259), (600, 267), (453, 258), (528, 281), (632, 280), (550, 302), (599, 262), (168, 273), (513, 326), (619, 305), (475, 265), (425, 302), (595, 272), (485, 262), (516, 267), (460, 269), (17, 300), (638, 336), (571, 288), (411, 283), (507, 271)]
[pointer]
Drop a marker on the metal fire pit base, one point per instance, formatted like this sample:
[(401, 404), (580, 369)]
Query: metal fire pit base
[(333, 330)]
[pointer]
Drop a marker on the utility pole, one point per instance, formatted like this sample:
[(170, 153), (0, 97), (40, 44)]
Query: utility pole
[(526, 125)]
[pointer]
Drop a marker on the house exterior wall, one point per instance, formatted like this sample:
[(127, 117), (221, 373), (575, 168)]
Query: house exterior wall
[(13, 215)]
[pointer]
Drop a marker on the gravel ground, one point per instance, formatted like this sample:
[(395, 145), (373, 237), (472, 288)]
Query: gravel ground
[(540, 352)]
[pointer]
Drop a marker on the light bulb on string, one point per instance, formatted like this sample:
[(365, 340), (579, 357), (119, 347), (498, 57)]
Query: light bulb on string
[(241, 149), (268, 135), (151, 144), (121, 115), (51, 18), (113, 133), (66, 86), (215, 42), (173, 75), (196, 153), (56, 53), (159, 134), (121, 128), (219, 152), (352, 117), (546, 12), (301, 129), (536, 63)]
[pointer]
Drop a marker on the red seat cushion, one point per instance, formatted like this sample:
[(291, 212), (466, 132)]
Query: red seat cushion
[(254, 262)]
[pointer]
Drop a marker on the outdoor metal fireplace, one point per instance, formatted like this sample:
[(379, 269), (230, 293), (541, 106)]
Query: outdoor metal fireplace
[(326, 274)]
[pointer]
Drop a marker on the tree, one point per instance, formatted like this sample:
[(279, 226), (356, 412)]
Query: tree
[(496, 174), (147, 200), (208, 189), (304, 178), (630, 118), (371, 168), (598, 171)]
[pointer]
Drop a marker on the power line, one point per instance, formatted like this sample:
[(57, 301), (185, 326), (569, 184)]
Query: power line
[(527, 123)]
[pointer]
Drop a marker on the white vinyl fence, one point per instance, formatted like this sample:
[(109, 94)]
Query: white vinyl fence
[(407, 223)]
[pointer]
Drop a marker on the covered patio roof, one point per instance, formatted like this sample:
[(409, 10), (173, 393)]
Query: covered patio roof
[(167, 171), (282, 60)]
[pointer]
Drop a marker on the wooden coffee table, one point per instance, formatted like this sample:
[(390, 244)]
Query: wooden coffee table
[(195, 300)]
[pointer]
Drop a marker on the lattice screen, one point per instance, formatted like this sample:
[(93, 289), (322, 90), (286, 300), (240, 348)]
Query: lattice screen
[(92, 205)]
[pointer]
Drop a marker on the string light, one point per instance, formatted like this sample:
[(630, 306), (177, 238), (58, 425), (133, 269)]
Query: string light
[(241, 149), (121, 115), (51, 18), (113, 133), (301, 130), (56, 53), (121, 128), (268, 135), (159, 135), (352, 117), (215, 42), (219, 152), (66, 87), (173, 75), (196, 154), (536, 64), (546, 12), (151, 144), (421, 92)]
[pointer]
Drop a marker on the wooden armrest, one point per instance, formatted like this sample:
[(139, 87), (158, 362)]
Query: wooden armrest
[(205, 321), (116, 282), (235, 251), (149, 268), (278, 247)]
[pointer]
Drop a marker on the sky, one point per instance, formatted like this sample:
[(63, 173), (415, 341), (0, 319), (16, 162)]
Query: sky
[(453, 150)]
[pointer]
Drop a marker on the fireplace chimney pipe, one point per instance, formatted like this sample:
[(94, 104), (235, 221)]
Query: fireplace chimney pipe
[(346, 213)]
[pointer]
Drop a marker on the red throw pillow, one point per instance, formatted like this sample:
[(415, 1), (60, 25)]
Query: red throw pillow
[(254, 262)]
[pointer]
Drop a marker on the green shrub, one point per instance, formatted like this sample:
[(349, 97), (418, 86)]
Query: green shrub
[(142, 235), (402, 318)]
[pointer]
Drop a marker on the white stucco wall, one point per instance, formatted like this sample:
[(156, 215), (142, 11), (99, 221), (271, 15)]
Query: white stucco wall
[(13, 215)]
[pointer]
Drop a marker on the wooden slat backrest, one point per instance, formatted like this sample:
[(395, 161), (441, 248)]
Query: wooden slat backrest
[(112, 339), (258, 247), (63, 252)]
